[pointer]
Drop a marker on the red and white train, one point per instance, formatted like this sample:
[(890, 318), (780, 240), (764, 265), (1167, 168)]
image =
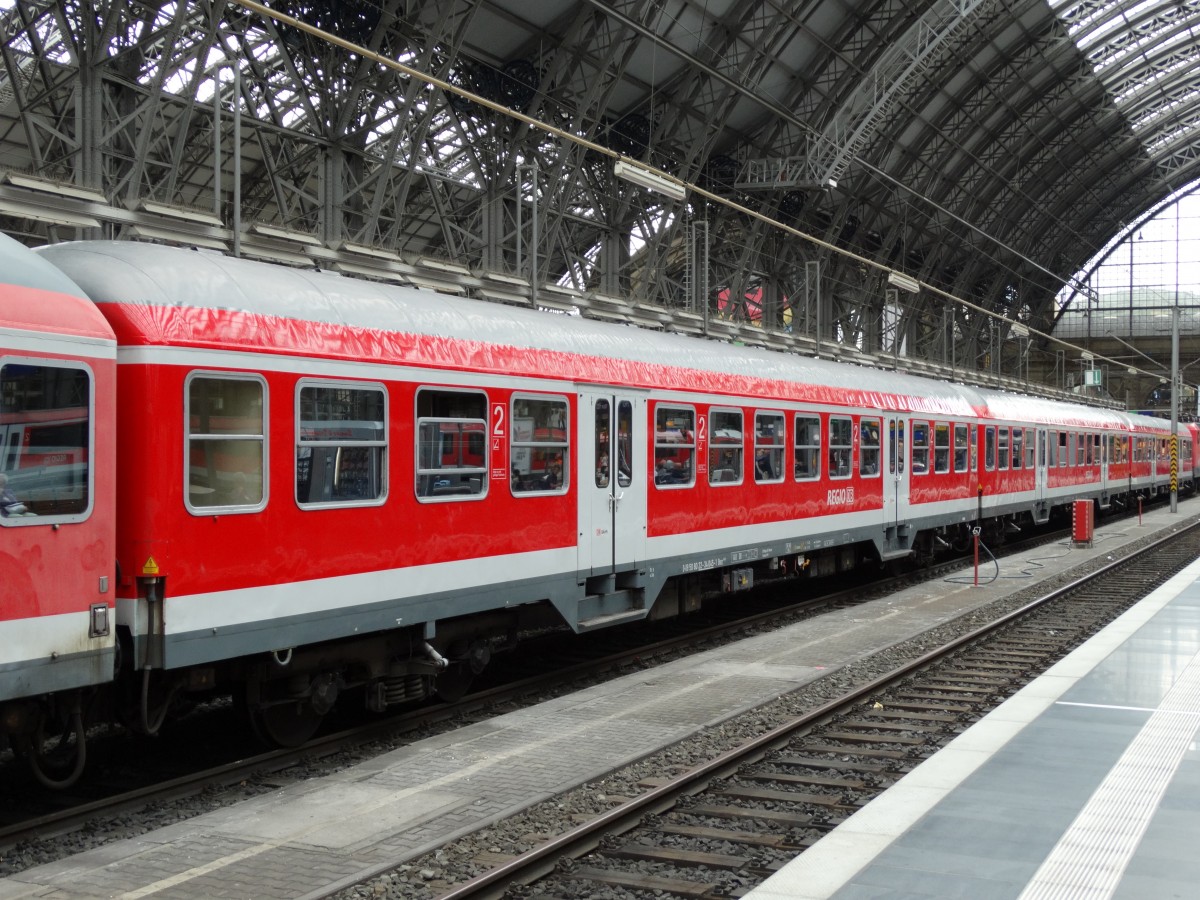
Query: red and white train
[(293, 485)]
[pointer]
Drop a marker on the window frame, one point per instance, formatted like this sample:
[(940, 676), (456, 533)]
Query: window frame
[(777, 446), (384, 457), (961, 428), (264, 437), (672, 447), (739, 450), (921, 433), (864, 423), (941, 466), (847, 448), (814, 450), (563, 446), (464, 471), (17, 521)]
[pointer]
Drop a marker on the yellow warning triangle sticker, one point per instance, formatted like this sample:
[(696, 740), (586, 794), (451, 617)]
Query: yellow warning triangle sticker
[(150, 567)]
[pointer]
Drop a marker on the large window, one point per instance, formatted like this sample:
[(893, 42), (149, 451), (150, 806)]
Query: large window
[(868, 449), (725, 446), (341, 444), (1004, 446), (539, 455), (989, 448), (674, 446), (451, 444), (841, 435), (226, 442), (46, 440), (808, 448), (1018, 446), (960, 448), (920, 450), (941, 448), (768, 447)]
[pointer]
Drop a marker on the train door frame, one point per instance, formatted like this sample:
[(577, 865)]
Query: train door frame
[(612, 505), (895, 485), (1041, 478)]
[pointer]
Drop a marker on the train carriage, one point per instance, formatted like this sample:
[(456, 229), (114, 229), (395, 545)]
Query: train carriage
[(57, 525), (332, 485)]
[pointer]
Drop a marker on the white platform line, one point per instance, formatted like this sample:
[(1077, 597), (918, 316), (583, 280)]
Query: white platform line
[(1096, 848)]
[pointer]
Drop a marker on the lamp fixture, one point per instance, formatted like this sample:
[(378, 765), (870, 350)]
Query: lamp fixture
[(58, 188), (897, 279), (1019, 330), (649, 179), (181, 212), (54, 216), (1086, 355)]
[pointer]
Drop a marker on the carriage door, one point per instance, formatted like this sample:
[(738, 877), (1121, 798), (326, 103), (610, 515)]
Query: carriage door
[(612, 496), (895, 479), (1042, 463)]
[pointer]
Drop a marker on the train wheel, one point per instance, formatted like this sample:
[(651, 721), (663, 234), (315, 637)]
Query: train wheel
[(287, 724), (56, 764), (454, 682)]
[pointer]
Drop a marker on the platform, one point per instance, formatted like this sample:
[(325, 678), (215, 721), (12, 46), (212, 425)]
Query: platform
[(1085, 784), (347, 826)]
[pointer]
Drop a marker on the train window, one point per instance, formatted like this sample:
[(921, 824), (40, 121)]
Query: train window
[(807, 460), (896, 446), (974, 438), (1081, 443), (768, 447), (941, 448), (989, 448), (1029, 449), (868, 449), (960, 448), (920, 450), (725, 446), (46, 433), (226, 442), (624, 443), (1062, 449), (1004, 437), (602, 430), (841, 434), (1097, 450), (539, 456), (341, 444), (1018, 446), (674, 446), (451, 445)]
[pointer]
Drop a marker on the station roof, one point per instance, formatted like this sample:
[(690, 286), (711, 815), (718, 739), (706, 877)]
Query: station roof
[(985, 150)]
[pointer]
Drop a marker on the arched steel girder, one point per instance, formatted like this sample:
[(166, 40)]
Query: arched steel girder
[(342, 149)]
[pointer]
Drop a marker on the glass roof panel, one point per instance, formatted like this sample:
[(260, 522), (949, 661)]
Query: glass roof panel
[(1141, 49)]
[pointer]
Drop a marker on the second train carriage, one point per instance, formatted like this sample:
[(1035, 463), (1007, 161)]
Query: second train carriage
[(328, 483), (57, 526)]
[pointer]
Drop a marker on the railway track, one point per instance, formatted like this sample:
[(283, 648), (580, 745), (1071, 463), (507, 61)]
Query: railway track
[(724, 826)]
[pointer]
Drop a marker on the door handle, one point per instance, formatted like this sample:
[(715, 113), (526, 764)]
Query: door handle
[(614, 499)]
